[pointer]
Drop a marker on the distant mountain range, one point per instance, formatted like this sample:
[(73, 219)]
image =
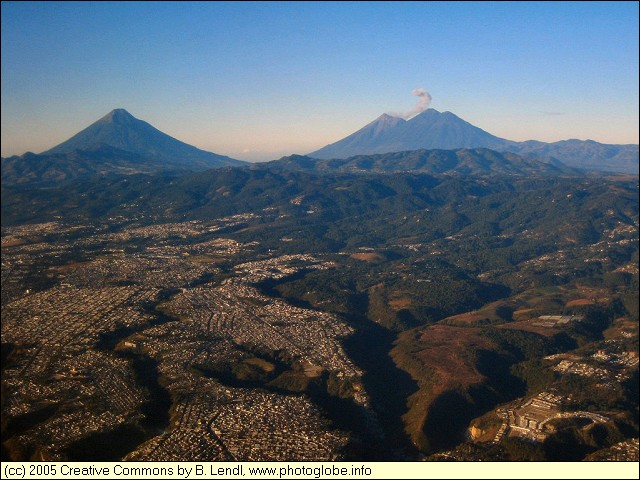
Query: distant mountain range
[(117, 143), (432, 129), (432, 142), (462, 161)]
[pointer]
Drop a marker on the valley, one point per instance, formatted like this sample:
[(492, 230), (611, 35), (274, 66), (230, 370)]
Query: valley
[(461, 292)]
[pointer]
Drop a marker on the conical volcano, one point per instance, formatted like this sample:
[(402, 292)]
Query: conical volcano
[(121, 130), (118, 143), (430, 129)]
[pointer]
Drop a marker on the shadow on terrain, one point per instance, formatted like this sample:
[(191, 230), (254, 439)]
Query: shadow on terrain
[(387, 386), (450, 413)]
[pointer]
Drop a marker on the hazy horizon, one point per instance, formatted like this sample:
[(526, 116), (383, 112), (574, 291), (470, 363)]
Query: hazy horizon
[(256, 81)]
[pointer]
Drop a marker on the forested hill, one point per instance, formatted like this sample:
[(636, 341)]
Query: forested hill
[(463, 161)]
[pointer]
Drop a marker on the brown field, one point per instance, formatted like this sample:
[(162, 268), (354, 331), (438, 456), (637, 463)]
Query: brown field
[(450, 353), (265, 366), (69, 267), (579, 301), (439, 358), (400, 303), (467, 317), (487, 312), (596, 295), (367, 257), (12, 242), (199, 259), (527, 326), (311, 371)]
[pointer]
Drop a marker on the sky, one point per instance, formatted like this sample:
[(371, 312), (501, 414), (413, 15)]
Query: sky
[(257, 81)]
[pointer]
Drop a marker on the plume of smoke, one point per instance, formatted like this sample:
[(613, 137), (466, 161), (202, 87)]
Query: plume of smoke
[(424, 99)]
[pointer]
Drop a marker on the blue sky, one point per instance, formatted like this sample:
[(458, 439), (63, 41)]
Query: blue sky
[(260, 80)]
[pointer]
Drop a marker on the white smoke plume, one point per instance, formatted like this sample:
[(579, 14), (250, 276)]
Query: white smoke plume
[(424, 99)]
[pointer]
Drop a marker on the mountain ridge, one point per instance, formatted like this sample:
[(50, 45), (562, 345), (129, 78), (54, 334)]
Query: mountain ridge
[(432, 129), (462, 161)]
